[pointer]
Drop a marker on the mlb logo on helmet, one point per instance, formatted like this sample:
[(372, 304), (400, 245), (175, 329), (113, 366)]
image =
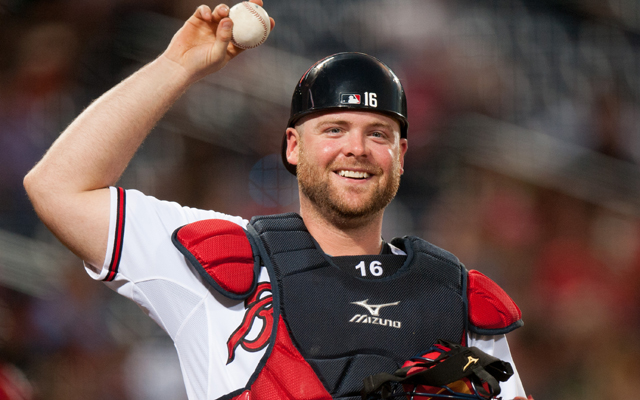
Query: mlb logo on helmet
[(370, 99), (350, 99)]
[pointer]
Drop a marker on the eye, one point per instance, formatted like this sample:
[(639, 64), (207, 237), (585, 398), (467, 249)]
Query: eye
[(379, 135), (333, 130)]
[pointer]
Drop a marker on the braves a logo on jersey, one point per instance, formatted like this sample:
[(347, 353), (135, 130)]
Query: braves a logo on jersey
[(259, 306)]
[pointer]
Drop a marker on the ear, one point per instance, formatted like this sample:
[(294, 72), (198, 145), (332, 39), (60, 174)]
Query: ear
[(404, 146), (293, 145)]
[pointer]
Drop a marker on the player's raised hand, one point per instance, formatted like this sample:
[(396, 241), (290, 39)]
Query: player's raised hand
[(203, 44)]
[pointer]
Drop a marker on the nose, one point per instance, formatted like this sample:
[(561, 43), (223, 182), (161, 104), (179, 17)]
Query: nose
[(356, 145)]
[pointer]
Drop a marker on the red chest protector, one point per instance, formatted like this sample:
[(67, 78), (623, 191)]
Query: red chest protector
[(228, 260)]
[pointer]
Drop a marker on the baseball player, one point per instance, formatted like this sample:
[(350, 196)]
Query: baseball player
[(295, 306)]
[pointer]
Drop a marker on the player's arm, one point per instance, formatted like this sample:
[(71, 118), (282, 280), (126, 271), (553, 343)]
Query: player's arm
[(68, 186)]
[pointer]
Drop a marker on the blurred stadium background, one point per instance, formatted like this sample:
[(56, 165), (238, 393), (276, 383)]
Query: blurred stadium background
[(524, 149)]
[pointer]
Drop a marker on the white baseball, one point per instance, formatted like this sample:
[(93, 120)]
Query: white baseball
[(251, 25)]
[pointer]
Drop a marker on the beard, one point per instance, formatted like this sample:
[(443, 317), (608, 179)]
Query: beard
[(334, 204)]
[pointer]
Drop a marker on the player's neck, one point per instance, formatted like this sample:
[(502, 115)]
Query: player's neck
[(339, 239)]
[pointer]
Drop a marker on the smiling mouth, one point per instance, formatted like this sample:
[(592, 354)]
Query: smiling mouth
[(354, 174)]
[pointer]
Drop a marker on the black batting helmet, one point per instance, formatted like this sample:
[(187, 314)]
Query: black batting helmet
[(348, 81)]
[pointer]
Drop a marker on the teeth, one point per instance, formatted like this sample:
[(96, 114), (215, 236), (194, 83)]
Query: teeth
[(353, 174)]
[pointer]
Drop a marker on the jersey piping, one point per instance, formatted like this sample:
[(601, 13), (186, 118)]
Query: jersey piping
[(118, 239)]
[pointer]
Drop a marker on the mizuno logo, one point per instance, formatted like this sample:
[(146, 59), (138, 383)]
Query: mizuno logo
[(374, 309), (367, 319), (471, 362)]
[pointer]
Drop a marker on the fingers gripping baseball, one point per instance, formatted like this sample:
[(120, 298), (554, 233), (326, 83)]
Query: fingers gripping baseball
[(202, 45), (222, 47)]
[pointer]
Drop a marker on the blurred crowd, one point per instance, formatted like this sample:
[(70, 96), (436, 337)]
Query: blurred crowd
[(524, 147)]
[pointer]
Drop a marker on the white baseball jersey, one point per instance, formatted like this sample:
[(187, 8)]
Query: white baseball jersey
[(143, 265)]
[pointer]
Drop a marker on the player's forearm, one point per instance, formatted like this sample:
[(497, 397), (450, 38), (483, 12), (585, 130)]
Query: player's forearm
[(95, 149)]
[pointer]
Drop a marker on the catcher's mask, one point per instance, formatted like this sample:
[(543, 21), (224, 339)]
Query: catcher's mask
[(447, 370)]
